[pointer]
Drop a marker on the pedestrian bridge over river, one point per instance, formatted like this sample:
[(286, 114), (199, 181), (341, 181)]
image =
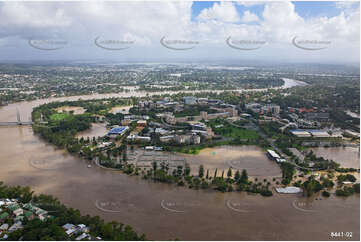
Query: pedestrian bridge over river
[(18, 122)]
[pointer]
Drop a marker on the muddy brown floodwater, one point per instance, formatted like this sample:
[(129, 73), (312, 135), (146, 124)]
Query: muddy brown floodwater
[(249, 157), (348, 157), (96, 130), (163, 211)]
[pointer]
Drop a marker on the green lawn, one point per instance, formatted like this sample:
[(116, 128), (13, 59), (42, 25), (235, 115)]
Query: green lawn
[(234, 132), (59, 116)]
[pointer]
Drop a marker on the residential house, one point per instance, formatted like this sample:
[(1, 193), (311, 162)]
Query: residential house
[(16, 226)]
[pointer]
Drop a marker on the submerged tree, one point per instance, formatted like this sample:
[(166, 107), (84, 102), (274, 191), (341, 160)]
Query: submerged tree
[(229, 173), (237, 176), (201, 171), (187, 170), (244, 177)]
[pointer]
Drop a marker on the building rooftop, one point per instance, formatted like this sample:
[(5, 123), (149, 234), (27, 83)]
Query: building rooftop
[(288, 190), (273, 154), (119, 130), (300, 133)]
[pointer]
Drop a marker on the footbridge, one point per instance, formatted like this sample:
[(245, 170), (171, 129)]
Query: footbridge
[(18, 122)]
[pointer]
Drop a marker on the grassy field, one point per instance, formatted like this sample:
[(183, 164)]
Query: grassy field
[(59, 116), (241, 133), (228, 130)]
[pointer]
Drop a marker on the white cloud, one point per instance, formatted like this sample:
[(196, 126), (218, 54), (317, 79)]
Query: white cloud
[(249, 17), (251, 3), (347, 4), (147, 22), (223, 11)]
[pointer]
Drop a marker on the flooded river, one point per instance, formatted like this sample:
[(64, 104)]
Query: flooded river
[(163, 211)]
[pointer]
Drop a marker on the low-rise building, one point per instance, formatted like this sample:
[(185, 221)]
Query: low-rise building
[(319, 133), (271, 108), (161, 131), (289, 190), (142, 123), (134, 137), (190, 100), (300, 133), (317, 116), (263, 109), (351, 133), (195, 139), (166, 139), (274, 156), (16, 226), (68, 226), (4, 227), (117, 131), (82, 236), (18, 212), (83, 228)]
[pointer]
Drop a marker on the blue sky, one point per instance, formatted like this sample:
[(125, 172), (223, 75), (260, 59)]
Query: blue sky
[(306, 9)]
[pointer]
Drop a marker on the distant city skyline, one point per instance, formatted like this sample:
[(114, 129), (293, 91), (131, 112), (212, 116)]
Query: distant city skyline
[(295, 32)]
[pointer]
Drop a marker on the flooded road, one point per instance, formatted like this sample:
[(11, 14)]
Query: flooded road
[(163, 211)]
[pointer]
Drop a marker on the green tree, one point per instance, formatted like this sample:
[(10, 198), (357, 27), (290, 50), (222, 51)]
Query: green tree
[(229, 173), (155, 165), (201, 171), (215, 173), (179, 170), (187, 170), (244, 177), (125, 156)]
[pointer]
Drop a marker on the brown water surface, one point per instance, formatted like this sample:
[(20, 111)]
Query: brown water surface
[(348, 157)]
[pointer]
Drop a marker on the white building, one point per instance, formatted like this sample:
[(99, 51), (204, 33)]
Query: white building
[(190, 100), (300, 133), (18, 212)]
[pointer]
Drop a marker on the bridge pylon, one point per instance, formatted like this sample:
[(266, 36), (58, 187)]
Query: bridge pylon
[(18, 116)]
